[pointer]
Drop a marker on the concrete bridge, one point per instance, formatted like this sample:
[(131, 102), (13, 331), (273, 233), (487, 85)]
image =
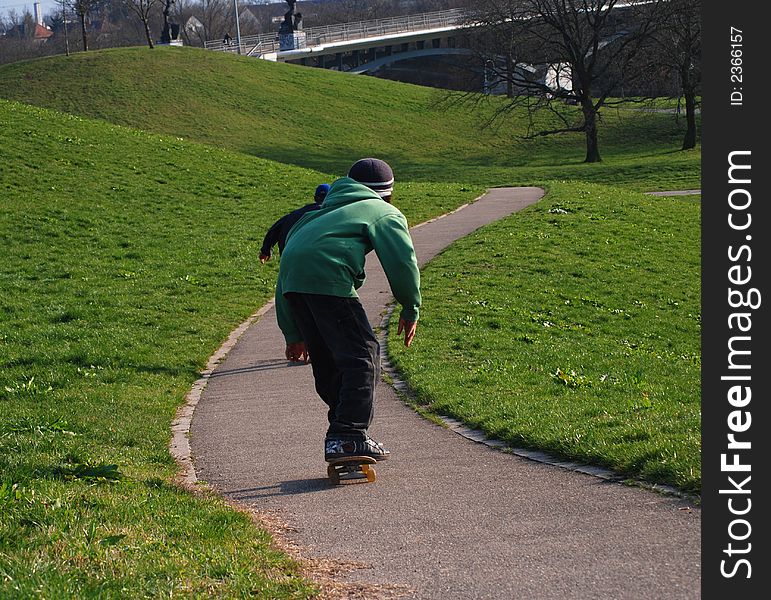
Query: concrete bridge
[(353, 46), (366, 46)]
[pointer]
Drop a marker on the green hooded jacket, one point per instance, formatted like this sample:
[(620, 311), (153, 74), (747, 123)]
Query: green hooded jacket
[(325, 250)]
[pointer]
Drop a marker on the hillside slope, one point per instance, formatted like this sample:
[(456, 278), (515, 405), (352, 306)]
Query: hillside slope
[(325, 120), (127, 257)]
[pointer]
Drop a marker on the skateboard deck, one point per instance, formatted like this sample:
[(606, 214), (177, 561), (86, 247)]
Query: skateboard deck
[(351, 468)]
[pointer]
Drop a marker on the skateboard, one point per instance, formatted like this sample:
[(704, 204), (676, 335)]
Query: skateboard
[(351, 468)]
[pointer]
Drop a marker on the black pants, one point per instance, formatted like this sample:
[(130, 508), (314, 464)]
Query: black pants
[(345, 357)]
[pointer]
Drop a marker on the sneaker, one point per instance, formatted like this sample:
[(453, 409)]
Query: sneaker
[(340, 448)]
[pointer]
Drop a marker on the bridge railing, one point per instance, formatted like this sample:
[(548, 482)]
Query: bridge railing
[(254, 45), (265, 42), (344, 32)]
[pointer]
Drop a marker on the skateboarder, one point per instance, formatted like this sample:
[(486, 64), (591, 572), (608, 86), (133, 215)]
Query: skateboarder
[(318, 310), (279, 229)]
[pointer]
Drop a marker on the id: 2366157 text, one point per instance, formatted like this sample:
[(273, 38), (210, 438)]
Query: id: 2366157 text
[(737, 71)]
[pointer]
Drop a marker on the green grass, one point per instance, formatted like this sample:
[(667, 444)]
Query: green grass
[(325, 120), (126, 258), (572, 327), (72, 536), (131, 228)]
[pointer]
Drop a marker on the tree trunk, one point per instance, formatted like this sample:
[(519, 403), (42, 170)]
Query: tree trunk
[(689, 92), (590, 124), (689, 140), (509, 75), (147, 34), (83, 31)]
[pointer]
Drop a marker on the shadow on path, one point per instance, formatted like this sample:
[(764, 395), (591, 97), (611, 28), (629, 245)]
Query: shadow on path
[(265, 365), (285, 488)]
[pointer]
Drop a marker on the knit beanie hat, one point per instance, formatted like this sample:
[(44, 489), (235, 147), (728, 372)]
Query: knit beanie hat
[(321, 192), (375, 174)]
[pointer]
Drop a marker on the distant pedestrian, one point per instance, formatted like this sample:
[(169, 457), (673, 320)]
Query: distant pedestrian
[(226, 39), (279, 230)]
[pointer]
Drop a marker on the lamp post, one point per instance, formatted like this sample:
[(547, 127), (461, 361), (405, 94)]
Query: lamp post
[(66, 38), (238, 26)]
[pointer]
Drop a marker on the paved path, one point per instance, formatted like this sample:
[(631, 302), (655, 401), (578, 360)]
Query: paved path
[(448, 518)]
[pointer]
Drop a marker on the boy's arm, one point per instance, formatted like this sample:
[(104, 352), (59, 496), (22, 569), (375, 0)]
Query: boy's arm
[(409, 328), (285, 318), (391, 240), (271, 239), (295, 346)]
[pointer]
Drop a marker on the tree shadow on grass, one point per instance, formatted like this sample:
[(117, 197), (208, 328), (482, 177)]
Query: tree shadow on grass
[(88, 472), (337, 161)]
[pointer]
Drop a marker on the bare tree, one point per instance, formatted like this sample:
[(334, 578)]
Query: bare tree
[(677, 49), (16, 43), (344, 11), (64, 25), (350, 11), (82, 8), (183, 11), (549, 53), (216, 18), (143, 9)]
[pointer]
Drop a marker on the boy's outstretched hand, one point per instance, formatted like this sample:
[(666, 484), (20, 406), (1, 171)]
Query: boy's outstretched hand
[(408, 327), (297, 352)]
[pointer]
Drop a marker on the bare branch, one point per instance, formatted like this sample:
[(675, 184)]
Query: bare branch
[(585, 53)]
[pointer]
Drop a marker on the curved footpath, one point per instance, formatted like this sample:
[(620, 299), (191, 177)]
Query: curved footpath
[(447, 517)]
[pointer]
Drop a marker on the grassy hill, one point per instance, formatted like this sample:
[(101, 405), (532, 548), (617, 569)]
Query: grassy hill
[(325, 120), (572, 327), (127, 257), (135, 187)]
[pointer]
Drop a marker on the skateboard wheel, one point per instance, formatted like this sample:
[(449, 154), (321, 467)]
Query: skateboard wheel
[(352, 468), (369, 472), (334, 476)]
